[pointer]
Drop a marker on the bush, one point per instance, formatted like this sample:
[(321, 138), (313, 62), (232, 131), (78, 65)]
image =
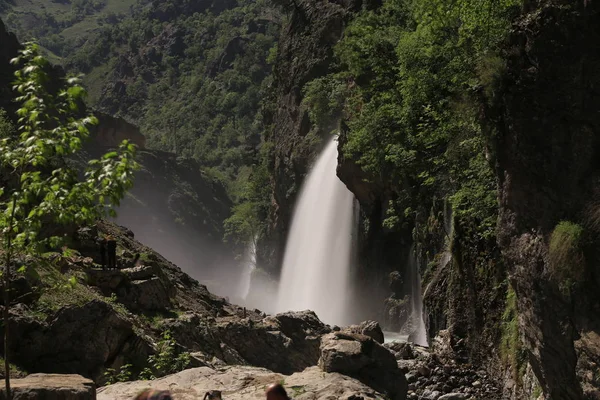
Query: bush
[(567, 263), (512, 353), (168, 359)]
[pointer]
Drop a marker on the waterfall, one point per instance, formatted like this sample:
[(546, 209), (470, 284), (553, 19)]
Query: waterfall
[(415, 325), (249, 266), (316, 265)]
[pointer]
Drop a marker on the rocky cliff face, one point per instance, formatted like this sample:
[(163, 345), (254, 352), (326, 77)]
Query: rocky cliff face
[(549, 172), (111, 131), (304, 53), (110, 318)]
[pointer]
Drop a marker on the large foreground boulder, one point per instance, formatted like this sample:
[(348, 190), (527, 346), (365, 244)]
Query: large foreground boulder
[(51, 387), (361, 357), (243, 383), (80, 339), (285, 343)]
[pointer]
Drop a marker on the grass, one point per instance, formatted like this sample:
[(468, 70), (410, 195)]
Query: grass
[(15, 372), (567, 263), (511, 350), (537, 391), (297, 390)]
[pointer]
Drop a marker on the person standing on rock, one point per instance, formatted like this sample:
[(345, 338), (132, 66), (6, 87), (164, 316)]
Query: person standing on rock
[(276, 392), (111, 247)]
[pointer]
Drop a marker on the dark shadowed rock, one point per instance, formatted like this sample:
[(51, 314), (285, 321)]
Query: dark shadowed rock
[(361, 357), (78, 339), (402, 351), (51, 387)]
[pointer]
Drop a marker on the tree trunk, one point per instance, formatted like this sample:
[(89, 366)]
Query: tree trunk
[(6, 295)]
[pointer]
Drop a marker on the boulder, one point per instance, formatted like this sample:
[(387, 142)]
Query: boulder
[(244, 383), (51, 387), (285, 343), (402, 351), (148, 295), (78, 339), (138, 273), (361, 357), (367, 328), (106, 280)]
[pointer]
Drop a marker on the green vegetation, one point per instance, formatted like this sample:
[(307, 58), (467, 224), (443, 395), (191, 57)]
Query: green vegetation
[(40, 189), (168, 359), (124, 374), (537, 392), (567, 263), (60, 26), (297, 390), (193, 80), (411, 80), (191, 75), (511, 351)]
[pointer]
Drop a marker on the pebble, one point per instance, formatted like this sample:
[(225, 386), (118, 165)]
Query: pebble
[(431, 379)]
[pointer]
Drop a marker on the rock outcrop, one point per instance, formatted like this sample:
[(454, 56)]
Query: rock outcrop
[(361, 357), (284, 343), (305, 52), (111, 131), (367, 328), (241, 383), (80, 339), (548, 151), (51, 387)]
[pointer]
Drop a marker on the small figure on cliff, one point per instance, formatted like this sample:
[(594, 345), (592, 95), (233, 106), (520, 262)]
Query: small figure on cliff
[(111, 247), (150, 394), (276, 392)]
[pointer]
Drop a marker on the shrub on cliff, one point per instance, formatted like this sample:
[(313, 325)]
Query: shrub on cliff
[(567, 263)]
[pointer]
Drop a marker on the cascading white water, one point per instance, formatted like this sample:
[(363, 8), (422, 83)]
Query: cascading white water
[(316, 265), (415, 325), (248, 268)]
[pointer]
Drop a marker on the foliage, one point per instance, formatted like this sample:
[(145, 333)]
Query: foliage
[(511, 350), (167, 360), (6, 127), (40, 192), (247, 220), (124, 374), (44, 188), (412, 79), (199, 97), (567, 263)]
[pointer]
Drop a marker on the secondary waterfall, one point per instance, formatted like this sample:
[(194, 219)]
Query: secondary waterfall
[(248, 268), (415, 325), (316, 265)]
